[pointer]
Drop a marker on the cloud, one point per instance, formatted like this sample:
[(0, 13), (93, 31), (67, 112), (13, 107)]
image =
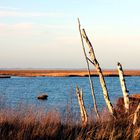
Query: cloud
[(32, 26), (8, 8), (7, 13), (22, 26), (11, 30), (31, 29)]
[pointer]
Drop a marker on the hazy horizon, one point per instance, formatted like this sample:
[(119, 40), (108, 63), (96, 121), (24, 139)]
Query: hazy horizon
[(44, 34), (92, 68)]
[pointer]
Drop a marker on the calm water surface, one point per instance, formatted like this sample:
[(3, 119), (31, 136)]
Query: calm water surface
[(61, 91)]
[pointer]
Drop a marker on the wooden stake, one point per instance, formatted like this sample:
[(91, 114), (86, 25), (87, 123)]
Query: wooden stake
[(84, 116), (89, 73), (136, 114), (124, 88), (99, 71)]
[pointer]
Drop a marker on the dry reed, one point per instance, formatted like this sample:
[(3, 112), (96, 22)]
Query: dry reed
[(32, 125)]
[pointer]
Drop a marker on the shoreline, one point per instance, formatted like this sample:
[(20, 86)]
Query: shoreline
[(65, 73)]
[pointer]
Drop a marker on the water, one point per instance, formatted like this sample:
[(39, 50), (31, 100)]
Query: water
[(61, 91)]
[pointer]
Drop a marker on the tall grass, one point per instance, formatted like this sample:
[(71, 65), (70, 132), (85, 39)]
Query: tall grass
[(37, 125)]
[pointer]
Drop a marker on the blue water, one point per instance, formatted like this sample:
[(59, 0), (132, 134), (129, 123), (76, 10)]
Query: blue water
[(61, 91)]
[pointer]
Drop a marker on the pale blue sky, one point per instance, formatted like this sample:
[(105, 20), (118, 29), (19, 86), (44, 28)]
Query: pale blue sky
[(44, 33)]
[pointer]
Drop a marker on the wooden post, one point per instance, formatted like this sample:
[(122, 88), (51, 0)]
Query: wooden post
[(84, 116), (124, 88), (89, 73), (99, 71), (136, 114)]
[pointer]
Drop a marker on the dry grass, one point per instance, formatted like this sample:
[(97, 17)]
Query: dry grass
[(56, 73), (32, 125)]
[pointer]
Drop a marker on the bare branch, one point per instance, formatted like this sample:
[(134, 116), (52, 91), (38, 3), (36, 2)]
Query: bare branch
[(89, 73)]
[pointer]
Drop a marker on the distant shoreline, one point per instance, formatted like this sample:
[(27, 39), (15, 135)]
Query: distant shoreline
[(66, 73)]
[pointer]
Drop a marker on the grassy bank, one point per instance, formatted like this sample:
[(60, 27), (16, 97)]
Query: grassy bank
[(63, 73), (31, 125)]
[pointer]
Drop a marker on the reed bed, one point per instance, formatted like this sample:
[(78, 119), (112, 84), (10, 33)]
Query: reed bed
[(38, 125)]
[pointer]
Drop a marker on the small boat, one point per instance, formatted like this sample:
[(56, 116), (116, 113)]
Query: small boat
[(42, 97)]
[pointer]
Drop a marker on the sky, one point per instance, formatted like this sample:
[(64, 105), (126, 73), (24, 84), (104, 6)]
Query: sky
[(44, 33)]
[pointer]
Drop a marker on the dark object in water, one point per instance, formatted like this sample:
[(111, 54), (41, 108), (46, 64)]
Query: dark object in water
[(5, 76), (42, 97)]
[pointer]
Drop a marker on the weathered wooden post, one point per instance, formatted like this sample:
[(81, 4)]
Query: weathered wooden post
[(99, 71), (84, 116), (89, 73), (136, 114), (124, 88)]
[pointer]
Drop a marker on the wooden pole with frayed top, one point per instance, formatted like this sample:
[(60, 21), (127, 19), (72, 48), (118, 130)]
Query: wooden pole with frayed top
[(99, 71), (89, 73), (124, 88)]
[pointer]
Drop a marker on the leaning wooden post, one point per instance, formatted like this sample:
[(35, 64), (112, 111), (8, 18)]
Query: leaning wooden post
[(89, 73), (136, 114), (84, 109), (84, 116), (99, 71), (124, 88)]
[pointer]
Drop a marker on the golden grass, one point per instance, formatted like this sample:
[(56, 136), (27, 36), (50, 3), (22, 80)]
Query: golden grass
[(31, 73), (33, 125)]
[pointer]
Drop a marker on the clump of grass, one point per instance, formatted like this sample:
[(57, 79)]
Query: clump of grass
[(32, 125)]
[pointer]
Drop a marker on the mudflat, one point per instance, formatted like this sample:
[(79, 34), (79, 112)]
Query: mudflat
[(63, 73)]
